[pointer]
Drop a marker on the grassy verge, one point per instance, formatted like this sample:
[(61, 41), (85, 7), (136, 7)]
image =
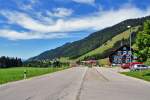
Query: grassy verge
[(145, 74), (14, 74)]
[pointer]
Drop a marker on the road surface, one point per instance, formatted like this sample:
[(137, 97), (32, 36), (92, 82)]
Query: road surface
[(80, 83)]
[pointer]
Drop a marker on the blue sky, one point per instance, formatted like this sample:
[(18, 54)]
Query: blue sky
[(29, 27)]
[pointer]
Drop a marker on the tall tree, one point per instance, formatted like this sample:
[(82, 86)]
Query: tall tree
[(143, 42)]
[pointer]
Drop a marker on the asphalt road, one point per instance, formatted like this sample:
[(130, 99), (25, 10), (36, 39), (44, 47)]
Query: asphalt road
[(80, 83)]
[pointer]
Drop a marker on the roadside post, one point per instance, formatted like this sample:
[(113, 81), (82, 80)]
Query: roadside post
[(25, 74)]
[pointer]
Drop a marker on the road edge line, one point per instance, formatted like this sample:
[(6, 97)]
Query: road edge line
[(105, 78)]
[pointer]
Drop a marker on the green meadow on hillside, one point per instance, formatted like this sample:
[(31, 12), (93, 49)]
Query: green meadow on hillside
[(109, 44)]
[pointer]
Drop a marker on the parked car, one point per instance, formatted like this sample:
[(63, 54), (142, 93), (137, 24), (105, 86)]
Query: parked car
[(139, 67), (125, 66), (128, 65), (114, 64)]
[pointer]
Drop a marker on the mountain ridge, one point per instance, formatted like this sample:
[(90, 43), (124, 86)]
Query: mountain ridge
[(78, 48)]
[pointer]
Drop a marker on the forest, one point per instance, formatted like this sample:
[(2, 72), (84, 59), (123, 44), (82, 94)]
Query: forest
[(8, 62)]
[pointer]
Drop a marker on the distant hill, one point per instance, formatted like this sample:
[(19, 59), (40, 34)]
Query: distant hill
[(78, 48)]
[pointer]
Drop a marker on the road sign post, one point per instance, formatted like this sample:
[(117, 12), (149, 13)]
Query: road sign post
[(25, 74)]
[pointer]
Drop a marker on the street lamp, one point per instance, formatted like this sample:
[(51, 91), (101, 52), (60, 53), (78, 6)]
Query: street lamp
[(129, 27)]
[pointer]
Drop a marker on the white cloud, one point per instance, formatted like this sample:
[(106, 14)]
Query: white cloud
[(10, 34), (54, 28), (85, 1), (25, 21), (26, 6), (44, 19), (60, 12), (14, 35)]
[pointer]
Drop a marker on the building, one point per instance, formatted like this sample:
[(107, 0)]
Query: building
[(89, 63), (121, 55)]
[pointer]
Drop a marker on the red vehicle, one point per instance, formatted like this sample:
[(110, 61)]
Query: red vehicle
[(128, 65)]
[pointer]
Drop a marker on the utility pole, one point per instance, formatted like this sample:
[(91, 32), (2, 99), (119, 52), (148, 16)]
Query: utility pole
[(129, 27)]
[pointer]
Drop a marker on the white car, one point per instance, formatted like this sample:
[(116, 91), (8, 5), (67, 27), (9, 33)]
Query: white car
[(139, 67)]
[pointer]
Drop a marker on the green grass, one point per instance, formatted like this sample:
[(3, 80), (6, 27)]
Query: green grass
[(144, 74), (109, 44), (14, 74), (65, 59)]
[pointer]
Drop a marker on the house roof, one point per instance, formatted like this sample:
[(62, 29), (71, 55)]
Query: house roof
[(114, 51)]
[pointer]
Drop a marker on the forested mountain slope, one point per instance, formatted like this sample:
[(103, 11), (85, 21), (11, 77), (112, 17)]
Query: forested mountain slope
[(78, 48), (106, 49)]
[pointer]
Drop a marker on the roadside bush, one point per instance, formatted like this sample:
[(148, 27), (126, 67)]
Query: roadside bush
[(148, 62)]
